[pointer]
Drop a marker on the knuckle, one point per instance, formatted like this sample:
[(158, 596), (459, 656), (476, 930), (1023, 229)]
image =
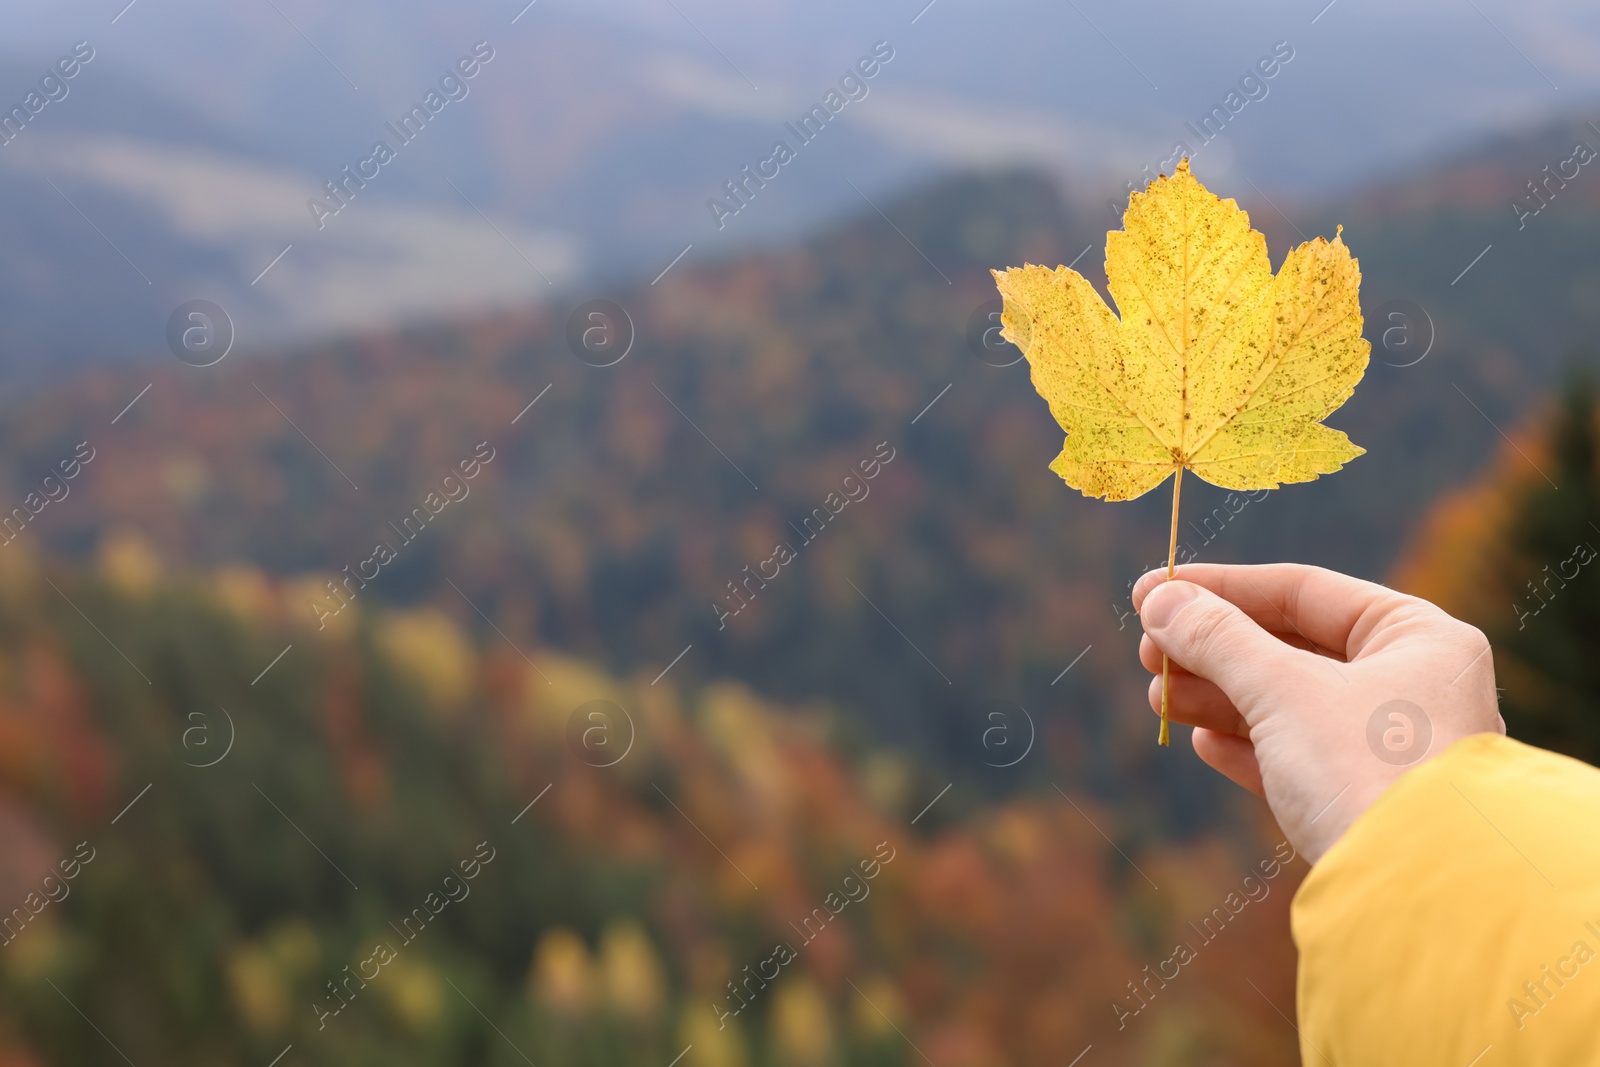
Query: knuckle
[(1205, 628), (1471, 639)]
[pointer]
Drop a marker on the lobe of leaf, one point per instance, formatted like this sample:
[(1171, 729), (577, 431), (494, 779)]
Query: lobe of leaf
[(1215, 363)]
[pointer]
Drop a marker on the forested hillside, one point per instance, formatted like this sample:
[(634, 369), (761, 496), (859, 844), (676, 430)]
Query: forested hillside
[(706, 489), (366, 846)]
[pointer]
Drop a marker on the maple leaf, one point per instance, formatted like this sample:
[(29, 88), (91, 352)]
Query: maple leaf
[(1215, 365)]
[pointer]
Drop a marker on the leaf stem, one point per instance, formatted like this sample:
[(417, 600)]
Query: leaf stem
[(1172, 555)]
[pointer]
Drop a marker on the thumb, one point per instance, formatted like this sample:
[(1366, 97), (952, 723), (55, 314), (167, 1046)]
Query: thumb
[(1209, 637)]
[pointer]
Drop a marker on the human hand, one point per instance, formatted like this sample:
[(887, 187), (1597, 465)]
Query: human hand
[(1287, 673)]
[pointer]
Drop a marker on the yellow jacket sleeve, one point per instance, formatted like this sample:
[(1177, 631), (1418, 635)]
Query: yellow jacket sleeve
[(1457, 922)]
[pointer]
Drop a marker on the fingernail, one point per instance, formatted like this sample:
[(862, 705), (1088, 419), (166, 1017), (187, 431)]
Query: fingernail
[(1164, 603)]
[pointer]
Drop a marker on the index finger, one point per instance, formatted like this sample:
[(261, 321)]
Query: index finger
[(1331, 610)]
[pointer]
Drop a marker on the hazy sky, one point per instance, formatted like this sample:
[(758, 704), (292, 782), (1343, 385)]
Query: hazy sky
[(1374, 83)]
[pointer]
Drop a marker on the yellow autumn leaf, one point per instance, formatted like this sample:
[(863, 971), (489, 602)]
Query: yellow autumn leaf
[(1215, 364)]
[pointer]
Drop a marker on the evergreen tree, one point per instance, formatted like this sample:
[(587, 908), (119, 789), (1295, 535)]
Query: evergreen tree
[(1548, 648)]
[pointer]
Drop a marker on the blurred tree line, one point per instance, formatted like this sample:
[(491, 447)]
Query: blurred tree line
[(293, 823), (1518, 555)]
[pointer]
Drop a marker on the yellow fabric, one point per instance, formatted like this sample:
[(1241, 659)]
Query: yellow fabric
[(1457, 921)]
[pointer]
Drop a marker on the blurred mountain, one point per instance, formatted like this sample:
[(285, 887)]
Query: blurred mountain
[(635, 506), (125, 203), (586, 152)]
